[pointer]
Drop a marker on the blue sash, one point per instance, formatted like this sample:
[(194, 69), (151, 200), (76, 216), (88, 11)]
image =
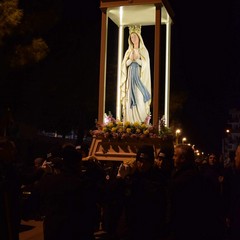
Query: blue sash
[(136, 82)]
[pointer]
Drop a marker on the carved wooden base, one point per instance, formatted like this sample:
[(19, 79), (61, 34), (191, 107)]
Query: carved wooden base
[(122, 150)]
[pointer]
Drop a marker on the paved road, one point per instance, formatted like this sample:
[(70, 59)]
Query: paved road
[(33, 230)]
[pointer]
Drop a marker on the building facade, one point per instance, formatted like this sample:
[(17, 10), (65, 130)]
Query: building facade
[(231, 138)]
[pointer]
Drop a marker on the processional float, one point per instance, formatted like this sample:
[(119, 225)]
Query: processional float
[(109, 141)]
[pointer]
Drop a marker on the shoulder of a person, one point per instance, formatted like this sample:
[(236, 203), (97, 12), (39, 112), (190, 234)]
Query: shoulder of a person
[(186, 173)]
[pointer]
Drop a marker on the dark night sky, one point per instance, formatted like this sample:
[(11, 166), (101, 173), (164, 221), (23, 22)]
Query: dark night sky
[(204, 65)]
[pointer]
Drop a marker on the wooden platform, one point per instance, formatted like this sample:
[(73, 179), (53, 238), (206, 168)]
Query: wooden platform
[(122, 150)]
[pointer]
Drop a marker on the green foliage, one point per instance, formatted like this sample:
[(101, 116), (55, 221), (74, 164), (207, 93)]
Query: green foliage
[(10, 17), (31, 53), (22, 31), (164, 131)]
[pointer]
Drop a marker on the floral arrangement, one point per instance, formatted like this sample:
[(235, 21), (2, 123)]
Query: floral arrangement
[(115, 129)]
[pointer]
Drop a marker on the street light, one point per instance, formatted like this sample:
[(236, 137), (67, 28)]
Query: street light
[(178, 131), (197, 152), (184, 140), (225, 142)]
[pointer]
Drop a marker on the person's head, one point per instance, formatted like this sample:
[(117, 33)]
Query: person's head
[(83, 149), (145, 158), (71, 157), (183, 156), (160, 159), (212, 159), (237, 157), (38, 162), (57, 165), (53, 151)]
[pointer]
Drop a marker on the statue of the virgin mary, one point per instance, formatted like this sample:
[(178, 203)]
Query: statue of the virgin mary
[(135, 79)]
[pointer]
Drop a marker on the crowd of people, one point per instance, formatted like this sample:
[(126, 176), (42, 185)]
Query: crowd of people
[(163, 197)]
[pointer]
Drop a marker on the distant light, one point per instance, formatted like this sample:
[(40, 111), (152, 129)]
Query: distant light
[(184, 139), (178, 131)]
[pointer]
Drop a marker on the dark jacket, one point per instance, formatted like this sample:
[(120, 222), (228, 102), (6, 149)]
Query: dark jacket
[(69, 206), (232, 201), (10, 194), (187, 200), (145, 205)]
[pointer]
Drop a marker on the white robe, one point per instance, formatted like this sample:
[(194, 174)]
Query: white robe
[(140, 111)]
